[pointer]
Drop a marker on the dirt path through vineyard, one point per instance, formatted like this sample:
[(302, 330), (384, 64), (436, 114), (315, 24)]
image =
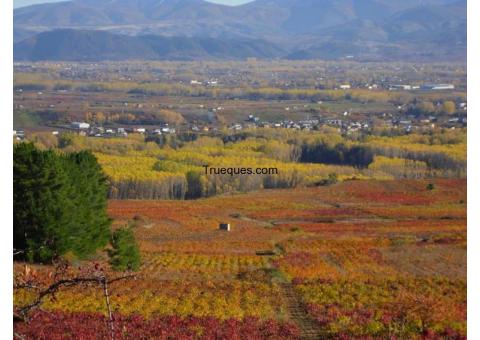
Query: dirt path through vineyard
[(298, 314)]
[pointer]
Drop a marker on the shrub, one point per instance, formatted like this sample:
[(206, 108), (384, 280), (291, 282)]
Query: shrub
[(333, 178), (64, 325), (125, 254)]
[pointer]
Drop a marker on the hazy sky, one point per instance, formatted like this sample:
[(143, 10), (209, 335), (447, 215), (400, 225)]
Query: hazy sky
[(21, 3)]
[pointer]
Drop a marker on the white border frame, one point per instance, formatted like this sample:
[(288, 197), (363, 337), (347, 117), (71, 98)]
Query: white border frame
[(6, 187), (473, 170), (6, 177)]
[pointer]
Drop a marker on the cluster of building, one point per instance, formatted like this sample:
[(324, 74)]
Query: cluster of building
[(411, 123), (397, 87), (307, 124), (210, 82), (425, 87), (347, 125), (99, 131)]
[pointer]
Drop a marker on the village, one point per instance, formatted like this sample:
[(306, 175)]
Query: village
[(105, 100), (344, 124)]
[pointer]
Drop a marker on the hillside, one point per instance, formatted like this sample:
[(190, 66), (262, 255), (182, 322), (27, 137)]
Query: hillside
[(77, 45), (366, 29), (330, 241)]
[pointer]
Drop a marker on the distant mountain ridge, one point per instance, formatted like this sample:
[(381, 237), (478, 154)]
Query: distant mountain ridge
[(78, 45), (367, 29)]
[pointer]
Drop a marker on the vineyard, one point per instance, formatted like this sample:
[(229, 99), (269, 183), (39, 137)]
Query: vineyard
[(355, 259)]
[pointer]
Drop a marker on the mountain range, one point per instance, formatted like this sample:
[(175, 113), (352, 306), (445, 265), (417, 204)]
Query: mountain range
[(80, 45), (195, 29)]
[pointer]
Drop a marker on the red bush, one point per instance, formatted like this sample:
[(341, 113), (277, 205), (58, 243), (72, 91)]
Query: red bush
[(83, 326)]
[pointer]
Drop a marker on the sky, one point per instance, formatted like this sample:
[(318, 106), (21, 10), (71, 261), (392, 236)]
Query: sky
[(21, 3)]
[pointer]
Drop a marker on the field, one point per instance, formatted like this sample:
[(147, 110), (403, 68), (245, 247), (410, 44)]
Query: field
[(356, 259), (358, 233)]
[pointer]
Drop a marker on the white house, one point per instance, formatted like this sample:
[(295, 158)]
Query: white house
[(80, 125), (438, 87), (401, 87)]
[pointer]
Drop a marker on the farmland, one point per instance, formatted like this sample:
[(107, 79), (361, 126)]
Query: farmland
[(355, 226), (360, 258)]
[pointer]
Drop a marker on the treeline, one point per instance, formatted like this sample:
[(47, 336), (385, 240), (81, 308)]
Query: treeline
[(135, 117), (357, 156), (444, 153), (249, 93), (170, 187), (200, 185), (172, 167), (437, 163), (440, 152), (401, 168), (194, 184)]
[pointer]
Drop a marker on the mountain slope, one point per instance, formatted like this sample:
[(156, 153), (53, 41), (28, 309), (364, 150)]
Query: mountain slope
[(76, 45), (427, 23), (366, 29), (261, 17)]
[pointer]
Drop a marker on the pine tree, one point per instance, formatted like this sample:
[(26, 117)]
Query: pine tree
[(125, 254), (40, 213), (60, 203), (90, 225)]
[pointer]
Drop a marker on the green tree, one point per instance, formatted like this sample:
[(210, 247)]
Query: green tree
[(59, 203), (40, 193), (65, 139), (125, 254), (90, 224)]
